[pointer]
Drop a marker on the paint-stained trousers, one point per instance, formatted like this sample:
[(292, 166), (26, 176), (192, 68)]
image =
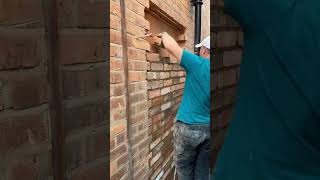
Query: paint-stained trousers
[(192, 151)]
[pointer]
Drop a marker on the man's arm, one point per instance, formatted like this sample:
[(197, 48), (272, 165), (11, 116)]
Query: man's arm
[(171, 45)]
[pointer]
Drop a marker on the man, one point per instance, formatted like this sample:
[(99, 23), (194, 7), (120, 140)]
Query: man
[(274, 134), (191, 134)]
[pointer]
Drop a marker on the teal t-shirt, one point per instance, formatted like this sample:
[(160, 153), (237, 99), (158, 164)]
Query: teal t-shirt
[(275, 130), (195, 104)]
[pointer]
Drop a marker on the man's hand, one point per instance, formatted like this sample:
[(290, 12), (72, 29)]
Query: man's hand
[(171, 45)]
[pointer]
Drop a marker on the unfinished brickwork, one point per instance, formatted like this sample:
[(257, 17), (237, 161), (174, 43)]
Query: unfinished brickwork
[(156, 85), (25, 121), (227, 41)]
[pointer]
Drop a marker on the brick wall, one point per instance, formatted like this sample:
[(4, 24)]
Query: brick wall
[(227, 41), (156, 85), (25, 123)]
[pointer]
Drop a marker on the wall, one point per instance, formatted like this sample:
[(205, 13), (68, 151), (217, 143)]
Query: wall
[(227, 41), (156, 84), (25, 121)]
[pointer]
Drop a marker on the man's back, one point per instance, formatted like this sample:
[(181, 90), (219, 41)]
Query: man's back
[(274, 133)]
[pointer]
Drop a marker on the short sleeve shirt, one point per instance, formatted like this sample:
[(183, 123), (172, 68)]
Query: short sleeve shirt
[(275, 130), (195, 104)]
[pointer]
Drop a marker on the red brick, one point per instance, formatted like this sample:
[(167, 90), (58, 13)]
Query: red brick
[(138, 65), (27, 90), (136, 19), (84, 82), (136, 54), (137, 76), (115, 37), (115, 51), (96, 145), (118, 152), (135, 7), (117, 90), (116, 77), (116, 129), (97, 171), (19, 11), (20, 51), (153, 57), (86, 113), (118, 114), (156, 66), (92, 13), (114, 22), (115, 8), (30, 167), (117, 102), (116, 64), (81, 47), (154, 93), (22, 130), (144, 3)]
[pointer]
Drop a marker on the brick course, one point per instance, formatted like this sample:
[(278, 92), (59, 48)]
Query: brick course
[(227, 48)]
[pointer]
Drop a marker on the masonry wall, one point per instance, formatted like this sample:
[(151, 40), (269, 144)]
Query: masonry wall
[(25, 121), (156, 86), (227, 41)]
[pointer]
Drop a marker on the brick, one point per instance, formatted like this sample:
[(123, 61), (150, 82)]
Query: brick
[(156, 66), (167, 67), (115, 51), (118, 114), (18, 12), (115, 8), (27, 90), (97, 171), (136, 19), (84, 114), (116, 77), (96, 145), (19, 131), (137, 76), (226, 39), (84, 82), (117, 90), (138, 65), (155, 84), (136, 54), (153, 57), (140, 97), (117, 128), (135, 7), (116, 64), (121, 173), (117, 102), (165, 90), (92, 13), (140, 44), (82, 47), (74, 154), (30, 167), (155, 158), (114, 22), (118, 152), (20, 52), (164, 75), (231, 58), (145, 3), (154, 93), (167, 82), (115, 37)]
